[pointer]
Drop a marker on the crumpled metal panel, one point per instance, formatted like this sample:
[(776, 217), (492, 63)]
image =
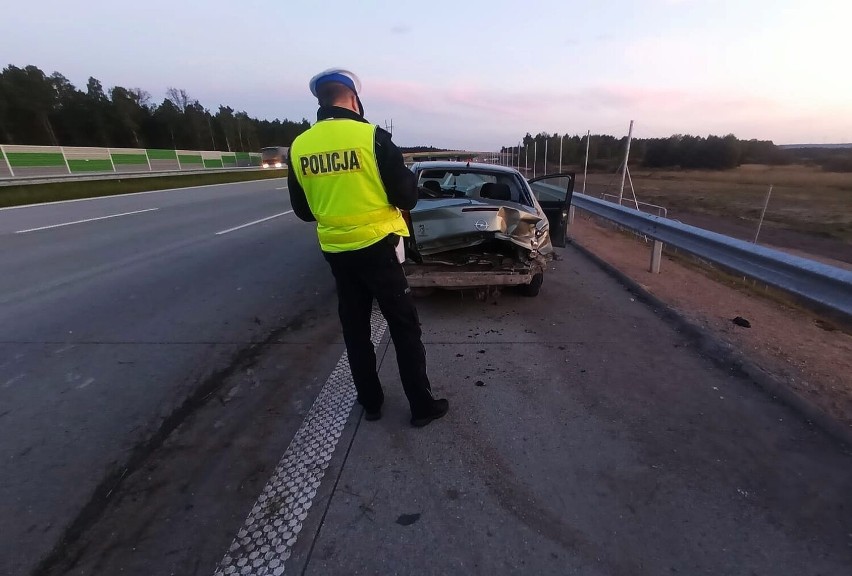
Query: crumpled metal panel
[(447, 224)]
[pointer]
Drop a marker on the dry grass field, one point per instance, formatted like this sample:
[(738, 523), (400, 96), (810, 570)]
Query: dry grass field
[(809, 210)]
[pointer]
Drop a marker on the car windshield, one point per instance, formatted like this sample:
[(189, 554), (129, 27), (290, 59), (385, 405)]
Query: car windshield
[(475, 184), (270, 152)]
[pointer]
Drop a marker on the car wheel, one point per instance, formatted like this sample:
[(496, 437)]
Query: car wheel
[(534, 287)]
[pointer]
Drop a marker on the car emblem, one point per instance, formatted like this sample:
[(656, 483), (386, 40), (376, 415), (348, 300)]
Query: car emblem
[(481, 225)]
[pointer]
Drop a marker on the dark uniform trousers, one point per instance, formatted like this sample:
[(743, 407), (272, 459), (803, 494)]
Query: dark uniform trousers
[(365, 274)]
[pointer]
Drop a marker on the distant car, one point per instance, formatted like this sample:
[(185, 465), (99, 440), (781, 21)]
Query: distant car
[(482, 225), (274, 156)]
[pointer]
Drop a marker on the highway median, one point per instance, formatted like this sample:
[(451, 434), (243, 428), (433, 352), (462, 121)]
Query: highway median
[(24, 194)]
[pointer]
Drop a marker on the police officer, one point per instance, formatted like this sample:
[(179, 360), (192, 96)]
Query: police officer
[(348, 176)]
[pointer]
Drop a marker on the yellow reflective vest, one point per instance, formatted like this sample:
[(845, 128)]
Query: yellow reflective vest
[(335, 163)]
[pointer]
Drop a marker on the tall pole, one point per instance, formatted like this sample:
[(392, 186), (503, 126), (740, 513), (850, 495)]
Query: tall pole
[(624, 169), (519, 156), (535, 155), (545, 154), (586, 167), (560, 153), (210, 125), (762, 214), (526, 160)]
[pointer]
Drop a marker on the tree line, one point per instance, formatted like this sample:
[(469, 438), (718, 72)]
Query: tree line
[(38, 109), (682, 151)]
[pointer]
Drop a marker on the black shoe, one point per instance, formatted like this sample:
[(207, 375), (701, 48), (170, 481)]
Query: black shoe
[(438, 410), (372, 416)]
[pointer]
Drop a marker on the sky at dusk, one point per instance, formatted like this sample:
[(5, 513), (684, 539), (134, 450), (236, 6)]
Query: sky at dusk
[(473, 75)]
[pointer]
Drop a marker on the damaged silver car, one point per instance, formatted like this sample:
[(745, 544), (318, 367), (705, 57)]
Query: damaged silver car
[(481, 225)]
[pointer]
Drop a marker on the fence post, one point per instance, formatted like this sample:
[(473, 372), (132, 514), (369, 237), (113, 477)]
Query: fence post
[(535, 155), (656, 256), (9, 164)]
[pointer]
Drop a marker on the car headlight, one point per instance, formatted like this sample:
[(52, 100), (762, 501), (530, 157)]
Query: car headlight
[(265, 165), (278, 164)]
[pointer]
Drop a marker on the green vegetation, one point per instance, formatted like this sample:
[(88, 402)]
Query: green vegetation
[(37, 109), (804, 198), (19, 195)]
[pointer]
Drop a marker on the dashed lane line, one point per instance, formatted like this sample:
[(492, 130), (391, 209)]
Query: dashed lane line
[(84, 221), (85, 383), (265, 541), (241, 226), (11, 381)]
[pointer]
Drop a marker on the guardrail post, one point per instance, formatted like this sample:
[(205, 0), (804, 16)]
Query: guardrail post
[(570, 216), (656, 256)]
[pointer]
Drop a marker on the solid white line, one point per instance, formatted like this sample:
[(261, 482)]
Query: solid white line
[(282, 188), (86, 220), (133, 194), (253, 223)]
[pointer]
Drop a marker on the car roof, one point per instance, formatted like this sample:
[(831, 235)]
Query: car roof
[(453, 165)]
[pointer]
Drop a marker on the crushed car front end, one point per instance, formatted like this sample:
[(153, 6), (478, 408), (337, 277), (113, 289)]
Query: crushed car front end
[(474, 226)]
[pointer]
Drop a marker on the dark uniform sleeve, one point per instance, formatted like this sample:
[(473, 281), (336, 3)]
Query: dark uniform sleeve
[(298, 200), (400, 182)]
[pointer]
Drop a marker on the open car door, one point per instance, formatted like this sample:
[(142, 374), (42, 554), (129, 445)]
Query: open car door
[(554, 192)]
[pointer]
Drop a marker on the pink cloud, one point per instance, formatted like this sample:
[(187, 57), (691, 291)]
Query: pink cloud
[(466, 112)]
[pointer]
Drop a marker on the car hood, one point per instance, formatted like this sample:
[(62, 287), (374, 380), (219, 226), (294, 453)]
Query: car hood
[(445, 224)]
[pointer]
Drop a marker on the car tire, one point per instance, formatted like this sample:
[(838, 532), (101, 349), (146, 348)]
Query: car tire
[(532, 289)]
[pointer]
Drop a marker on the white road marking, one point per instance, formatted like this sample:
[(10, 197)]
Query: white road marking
[(282, 188), (65, 348), (86, 220), (7, 362), (265, 541), (132, 194), (11, 381), (86, 383), (253, 223)]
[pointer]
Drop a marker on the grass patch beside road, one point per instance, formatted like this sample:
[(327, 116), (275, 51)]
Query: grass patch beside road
[(19, 195), (803, 198)]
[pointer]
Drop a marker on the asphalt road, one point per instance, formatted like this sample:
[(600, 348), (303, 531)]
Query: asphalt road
[(586, 434), (112, 312)]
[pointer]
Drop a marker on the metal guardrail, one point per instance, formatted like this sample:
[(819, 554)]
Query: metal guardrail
[(820, 284), (661, 210)]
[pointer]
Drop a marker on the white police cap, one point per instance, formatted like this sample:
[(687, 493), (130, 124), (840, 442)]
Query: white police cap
[(340, 75)]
